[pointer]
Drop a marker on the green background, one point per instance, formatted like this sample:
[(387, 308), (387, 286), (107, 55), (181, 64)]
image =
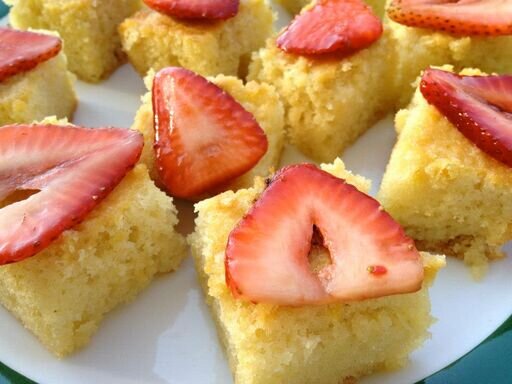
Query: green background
[(490, 362), (3, 9)]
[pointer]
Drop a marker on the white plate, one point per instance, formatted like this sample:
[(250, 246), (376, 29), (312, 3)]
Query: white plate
[(167, 336)]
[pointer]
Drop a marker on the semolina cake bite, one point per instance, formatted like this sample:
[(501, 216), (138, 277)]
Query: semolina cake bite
[(155, 40), (449, 195), (61, 285), (329, 102), (88, 28), (34, 78), (309, 343), (260, 99), (417, 48)]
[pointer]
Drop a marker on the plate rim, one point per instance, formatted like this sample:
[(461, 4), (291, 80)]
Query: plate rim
[(492, 365)]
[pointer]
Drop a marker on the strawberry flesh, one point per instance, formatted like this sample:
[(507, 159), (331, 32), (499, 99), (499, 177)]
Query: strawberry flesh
[(196, 9), (204, 137), (480, 107), (72, 169), (332, 26), (22, 51), (460, 18), (267, 252)]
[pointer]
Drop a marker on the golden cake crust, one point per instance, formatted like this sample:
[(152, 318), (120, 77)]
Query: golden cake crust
[(88, 28), (271, 344), (45, 90), (63, 293), (155, 41), (448, 194), (417, 49), (329, 102)]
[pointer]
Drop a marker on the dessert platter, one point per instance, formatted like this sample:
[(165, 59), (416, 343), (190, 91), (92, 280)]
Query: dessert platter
[(247, 192)]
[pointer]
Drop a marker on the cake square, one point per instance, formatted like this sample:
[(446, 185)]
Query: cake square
[(258, 98), (88, 28), (46, 90), (450, 196), (329, 102), (418, 48), (62, 293), (154, 41), (322, 344)]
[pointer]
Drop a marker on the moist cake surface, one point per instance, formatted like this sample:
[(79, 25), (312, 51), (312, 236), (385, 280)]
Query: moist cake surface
[(64, 292), (448, 194), (154, 41), (88, 28), (321, 344), (329, 102)]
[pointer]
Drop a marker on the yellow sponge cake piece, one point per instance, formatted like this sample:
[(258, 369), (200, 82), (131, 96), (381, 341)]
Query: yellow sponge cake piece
[(46, 90), (88, 28), (329, 102), (322, 344), (259, 99), (154, 41), (448, 194), (418, 48), (63, 293)]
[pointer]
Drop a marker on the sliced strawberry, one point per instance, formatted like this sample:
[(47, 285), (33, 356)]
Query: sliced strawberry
[(72, 168), (22, 51), (479, 106), (341, 26), (267, 252), (204, 137), (463, 17), (196, 9)]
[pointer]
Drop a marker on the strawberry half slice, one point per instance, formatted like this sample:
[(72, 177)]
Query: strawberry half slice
[(341, 26), (22, 51), (462, 18), (480, 107), (196, 9), (267, 253), (72, 169), (204, 137)]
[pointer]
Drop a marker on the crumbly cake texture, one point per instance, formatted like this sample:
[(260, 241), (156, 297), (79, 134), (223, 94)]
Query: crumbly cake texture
[(88, 28), (155, 41), (294, 6), (259, 99), (417, 49), (46, 90), (313, 344), (63, 293), (448, 194), (329, 102)]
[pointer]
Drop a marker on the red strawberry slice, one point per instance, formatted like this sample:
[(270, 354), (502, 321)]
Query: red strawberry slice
[(341, 26), (480, 107), (22, 51), (72, 168), (196, 9), (267, 253), (204, 137), (463, 17)]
